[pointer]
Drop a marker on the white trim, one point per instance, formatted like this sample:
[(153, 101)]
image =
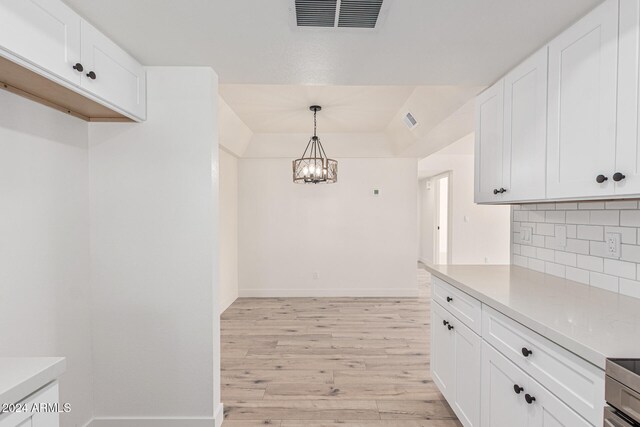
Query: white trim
[(218, 414), (323, 293), (215, 421)]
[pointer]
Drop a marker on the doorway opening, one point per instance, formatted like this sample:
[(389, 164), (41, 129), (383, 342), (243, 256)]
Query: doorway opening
[(442, 232)]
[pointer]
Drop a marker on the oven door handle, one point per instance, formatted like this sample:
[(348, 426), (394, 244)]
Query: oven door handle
[(611, 419)]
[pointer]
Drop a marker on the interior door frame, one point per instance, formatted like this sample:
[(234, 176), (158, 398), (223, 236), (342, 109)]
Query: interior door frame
[(436, 241)]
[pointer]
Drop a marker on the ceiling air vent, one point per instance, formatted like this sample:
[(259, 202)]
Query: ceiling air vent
[(338, 13), (410, 121)]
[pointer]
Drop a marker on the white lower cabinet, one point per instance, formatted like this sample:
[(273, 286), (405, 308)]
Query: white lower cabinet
[(508, 375), (41, 410), (512, 398), (455, 364)]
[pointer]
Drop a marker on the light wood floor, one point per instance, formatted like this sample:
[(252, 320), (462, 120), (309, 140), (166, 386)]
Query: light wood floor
[(325, 362)]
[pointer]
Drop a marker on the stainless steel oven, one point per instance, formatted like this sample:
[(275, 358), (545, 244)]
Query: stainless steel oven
[(622, 392)]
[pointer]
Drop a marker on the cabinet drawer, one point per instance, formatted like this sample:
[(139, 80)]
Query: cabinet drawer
[(466, 308), (575, 381)]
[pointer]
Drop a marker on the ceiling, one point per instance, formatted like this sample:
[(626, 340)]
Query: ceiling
[(417, 42), (285, 108)]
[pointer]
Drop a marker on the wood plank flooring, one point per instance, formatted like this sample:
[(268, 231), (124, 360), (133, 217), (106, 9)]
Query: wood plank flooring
[(330, 362)]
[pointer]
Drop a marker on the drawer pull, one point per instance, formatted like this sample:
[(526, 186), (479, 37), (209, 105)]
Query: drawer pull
[(450, 327), (517, 388), (601, 178), (449, 299), (78, 67), (526, 352), (91, 75), (530, 399), (617, 177), (445, 323)]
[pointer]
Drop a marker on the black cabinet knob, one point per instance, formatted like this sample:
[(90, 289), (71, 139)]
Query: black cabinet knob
[(617, 177), (495, 191), (78, 67), (450, 327), (601, 178), (526, 352), (502, 190), (445, 323), (91, 75), (517, 388), (449, 299), (530, 399)]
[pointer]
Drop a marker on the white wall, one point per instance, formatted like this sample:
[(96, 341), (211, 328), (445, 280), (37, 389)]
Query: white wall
[(154, 257), (228, 229), (480, 233), (359, 244), (44, 244), (426, 220)]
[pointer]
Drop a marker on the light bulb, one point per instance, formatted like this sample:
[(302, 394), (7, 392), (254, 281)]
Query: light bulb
[(305, 171)]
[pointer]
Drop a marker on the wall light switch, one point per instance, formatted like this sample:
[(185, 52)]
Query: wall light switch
[(526, 234), (612, 244)]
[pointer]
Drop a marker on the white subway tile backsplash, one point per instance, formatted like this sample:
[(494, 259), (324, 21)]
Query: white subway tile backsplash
[(566, 258), (620, 268), (591, 232), (630, 218), (603, 281), (556, 217), (630, 288), (577, 217), (591, 205), (622, 204), (568, 241), (576, 274), (610, 217), (592, 263)]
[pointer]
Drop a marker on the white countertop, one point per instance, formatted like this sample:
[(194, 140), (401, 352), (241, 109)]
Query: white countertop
[(593, 323), (21, 376)]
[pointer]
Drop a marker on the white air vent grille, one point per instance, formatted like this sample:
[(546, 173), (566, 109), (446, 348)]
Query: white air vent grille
[(359, 13), (316, 13), (338, 13), (410, 121)]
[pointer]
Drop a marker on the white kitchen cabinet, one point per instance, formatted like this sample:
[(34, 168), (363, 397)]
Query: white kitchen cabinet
[(489, 144), (455, 364), (49, 417), (581, 133), (512, 398), (111, 73), (525, 130), (628, 138), (45, 33)]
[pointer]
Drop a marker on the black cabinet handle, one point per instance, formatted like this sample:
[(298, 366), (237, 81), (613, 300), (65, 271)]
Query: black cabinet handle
[(617, 177), (495, 191), (91, 75), (601, 178), (502, 190), (445, 323), (78, 67), (449, 299), (526, 352), (450, 327), (517, 388), (530, 399)]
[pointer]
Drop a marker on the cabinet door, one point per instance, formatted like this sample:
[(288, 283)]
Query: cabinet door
[(118, 78), (501, 405), (525, 129), (45, 33), (466, 391), (582, 105), (489, 143), (549, 411), (628, 143), (442, 351)]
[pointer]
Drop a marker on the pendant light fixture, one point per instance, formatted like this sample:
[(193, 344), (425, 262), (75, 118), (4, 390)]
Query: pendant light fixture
[(314, 167)]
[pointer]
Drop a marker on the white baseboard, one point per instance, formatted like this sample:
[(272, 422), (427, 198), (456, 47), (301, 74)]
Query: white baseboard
[(328, 293), (215, 421)]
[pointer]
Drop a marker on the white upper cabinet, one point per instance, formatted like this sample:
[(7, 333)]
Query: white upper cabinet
[(525, 130), (44, 33), (628, 144), (489, 144), (111, 73), (582, 106)]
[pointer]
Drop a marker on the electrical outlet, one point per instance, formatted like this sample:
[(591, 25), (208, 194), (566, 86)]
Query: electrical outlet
[(612, 244), (525, 234)]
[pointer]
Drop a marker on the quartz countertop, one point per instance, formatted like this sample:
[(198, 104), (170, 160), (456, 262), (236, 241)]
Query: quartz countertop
[(593, 323), (21, 376)]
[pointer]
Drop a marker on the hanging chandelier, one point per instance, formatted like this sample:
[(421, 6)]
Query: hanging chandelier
[(314, 167)]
